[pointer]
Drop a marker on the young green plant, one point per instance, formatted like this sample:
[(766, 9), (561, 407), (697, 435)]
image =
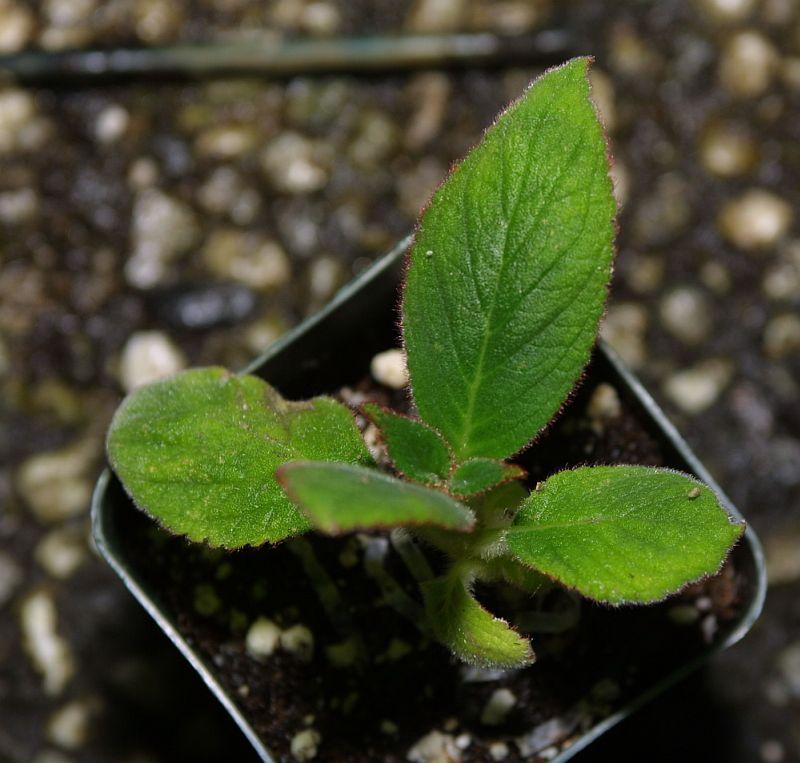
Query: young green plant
[(505, 287)]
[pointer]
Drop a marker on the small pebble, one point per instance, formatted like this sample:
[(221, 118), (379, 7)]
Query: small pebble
[(782, 281), (665, 212), (728, 11), (324, 277), (756, 220), (698, 388), (321, 19), (253, 260), (645, 273), (434, 747), (374, 141), (50, 654), (782, 336), (772, 751), (305, 744), (625, 328), (429, 92), (68, 727), (788, 665), (162, 228), (157, 21), (782, 550), (500, 703), (290, 162), (61, 552), (17, 24), (728, 150), (747, 64), (686, 314), (631, 54), (438, 16), (498, 751), (709, 627), (142, 173), (389, 368), (57, 485), (17, 111), (112, 122), (545, 735), (262, 333), (19, 206), (225, 192), (262, 638), (299, 641), (227, 141), (147, 357)]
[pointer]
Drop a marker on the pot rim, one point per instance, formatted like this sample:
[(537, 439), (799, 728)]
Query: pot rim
[(104, 537)]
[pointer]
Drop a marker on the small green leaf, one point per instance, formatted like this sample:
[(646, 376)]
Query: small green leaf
[(473, 634), (417, 451), (338, 498), (199, 452), (508, 273), (623, 534), (480, 474)]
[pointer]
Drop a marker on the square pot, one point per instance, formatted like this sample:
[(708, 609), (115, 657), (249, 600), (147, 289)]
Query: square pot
[(333, 349)]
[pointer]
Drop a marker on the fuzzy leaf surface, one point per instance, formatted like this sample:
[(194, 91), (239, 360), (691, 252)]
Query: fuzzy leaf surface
[(471, 633), (199, 452), (508, 272), (338, 498), (623, 534), (416, 450), (479, 474)]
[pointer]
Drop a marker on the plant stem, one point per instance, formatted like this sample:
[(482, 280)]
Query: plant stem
[(393, 593), (411, 554)]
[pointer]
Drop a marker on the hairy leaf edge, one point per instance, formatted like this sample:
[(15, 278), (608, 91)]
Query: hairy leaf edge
[(529, 656), (294, 405), (363, 409), (335, 531), (733, 521), (406, 265)]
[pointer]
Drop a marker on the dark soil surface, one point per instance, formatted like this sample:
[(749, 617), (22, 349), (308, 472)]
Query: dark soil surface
[(407, 688)]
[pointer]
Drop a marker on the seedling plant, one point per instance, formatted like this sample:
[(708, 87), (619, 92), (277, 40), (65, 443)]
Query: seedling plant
[(505, 286)]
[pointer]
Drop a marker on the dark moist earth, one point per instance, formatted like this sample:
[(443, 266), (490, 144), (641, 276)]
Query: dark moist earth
[(409, 699)]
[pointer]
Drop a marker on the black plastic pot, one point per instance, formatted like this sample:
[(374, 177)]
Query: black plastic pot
[(332, 349)]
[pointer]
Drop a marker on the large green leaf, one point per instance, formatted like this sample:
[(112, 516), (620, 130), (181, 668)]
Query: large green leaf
[(508, 273), (623, 533), (199, 452), (417, 451), (338, 498), (473, 634)]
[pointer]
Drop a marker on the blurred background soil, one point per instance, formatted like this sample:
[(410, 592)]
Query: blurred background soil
[(153, 224)]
